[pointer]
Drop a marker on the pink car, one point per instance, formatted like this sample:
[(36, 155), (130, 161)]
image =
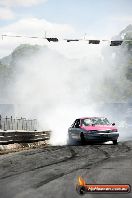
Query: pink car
[(92, 129)]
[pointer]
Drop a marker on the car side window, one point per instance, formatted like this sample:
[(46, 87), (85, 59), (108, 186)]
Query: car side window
[(73, 125), (77, 123)]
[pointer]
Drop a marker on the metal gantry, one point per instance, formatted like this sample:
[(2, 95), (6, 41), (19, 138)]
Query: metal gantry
[(55, 39)]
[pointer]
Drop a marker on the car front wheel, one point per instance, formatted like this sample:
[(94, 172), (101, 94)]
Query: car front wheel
[(115, 142), (83, 141)]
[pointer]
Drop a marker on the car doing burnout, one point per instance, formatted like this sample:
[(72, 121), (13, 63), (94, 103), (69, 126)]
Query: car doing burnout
[(93, 129)]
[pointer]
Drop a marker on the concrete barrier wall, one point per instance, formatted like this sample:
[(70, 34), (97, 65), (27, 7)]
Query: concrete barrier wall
[(10, 137)]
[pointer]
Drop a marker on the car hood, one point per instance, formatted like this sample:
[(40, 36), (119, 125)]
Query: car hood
[(98, 127)]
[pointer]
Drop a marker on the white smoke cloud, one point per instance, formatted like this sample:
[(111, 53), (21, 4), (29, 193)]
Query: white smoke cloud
[(64, 80), (60, 85), (57, 89)]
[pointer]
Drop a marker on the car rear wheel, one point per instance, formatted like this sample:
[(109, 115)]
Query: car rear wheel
[(115, 142)]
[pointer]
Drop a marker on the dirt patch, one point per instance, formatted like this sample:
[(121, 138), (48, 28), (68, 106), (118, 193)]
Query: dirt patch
[(5, 149)]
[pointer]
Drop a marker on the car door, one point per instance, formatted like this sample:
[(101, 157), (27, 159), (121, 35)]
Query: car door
[(75, 129), (71, 130)]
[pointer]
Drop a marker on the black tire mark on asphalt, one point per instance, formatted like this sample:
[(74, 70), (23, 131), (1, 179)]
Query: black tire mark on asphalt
[(39, 167), (73, 155), (42, 150), (107, 156), (42, 183), (73, 152), (128, 148), (115, 148), (60, 175)]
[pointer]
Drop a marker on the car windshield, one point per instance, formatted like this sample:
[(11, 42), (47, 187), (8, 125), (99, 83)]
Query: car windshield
[(95, 121)]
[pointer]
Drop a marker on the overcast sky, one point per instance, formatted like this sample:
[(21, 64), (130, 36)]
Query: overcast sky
[(97, 18)]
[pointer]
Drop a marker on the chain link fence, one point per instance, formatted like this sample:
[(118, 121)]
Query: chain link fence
[(10, 123)]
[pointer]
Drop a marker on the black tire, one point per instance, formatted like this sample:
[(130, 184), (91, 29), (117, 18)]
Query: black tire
[(83, 141), (115, 142)]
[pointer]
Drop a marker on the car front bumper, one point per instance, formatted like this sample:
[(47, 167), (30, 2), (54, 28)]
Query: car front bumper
[(101, 136)]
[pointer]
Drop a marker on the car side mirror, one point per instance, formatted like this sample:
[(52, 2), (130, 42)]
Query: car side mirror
[(113, 124)]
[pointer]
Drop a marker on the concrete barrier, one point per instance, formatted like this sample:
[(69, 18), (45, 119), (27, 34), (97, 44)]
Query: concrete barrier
[(10, 137)]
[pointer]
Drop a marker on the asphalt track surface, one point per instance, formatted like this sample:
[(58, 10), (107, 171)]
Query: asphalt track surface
[(52, 172)]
